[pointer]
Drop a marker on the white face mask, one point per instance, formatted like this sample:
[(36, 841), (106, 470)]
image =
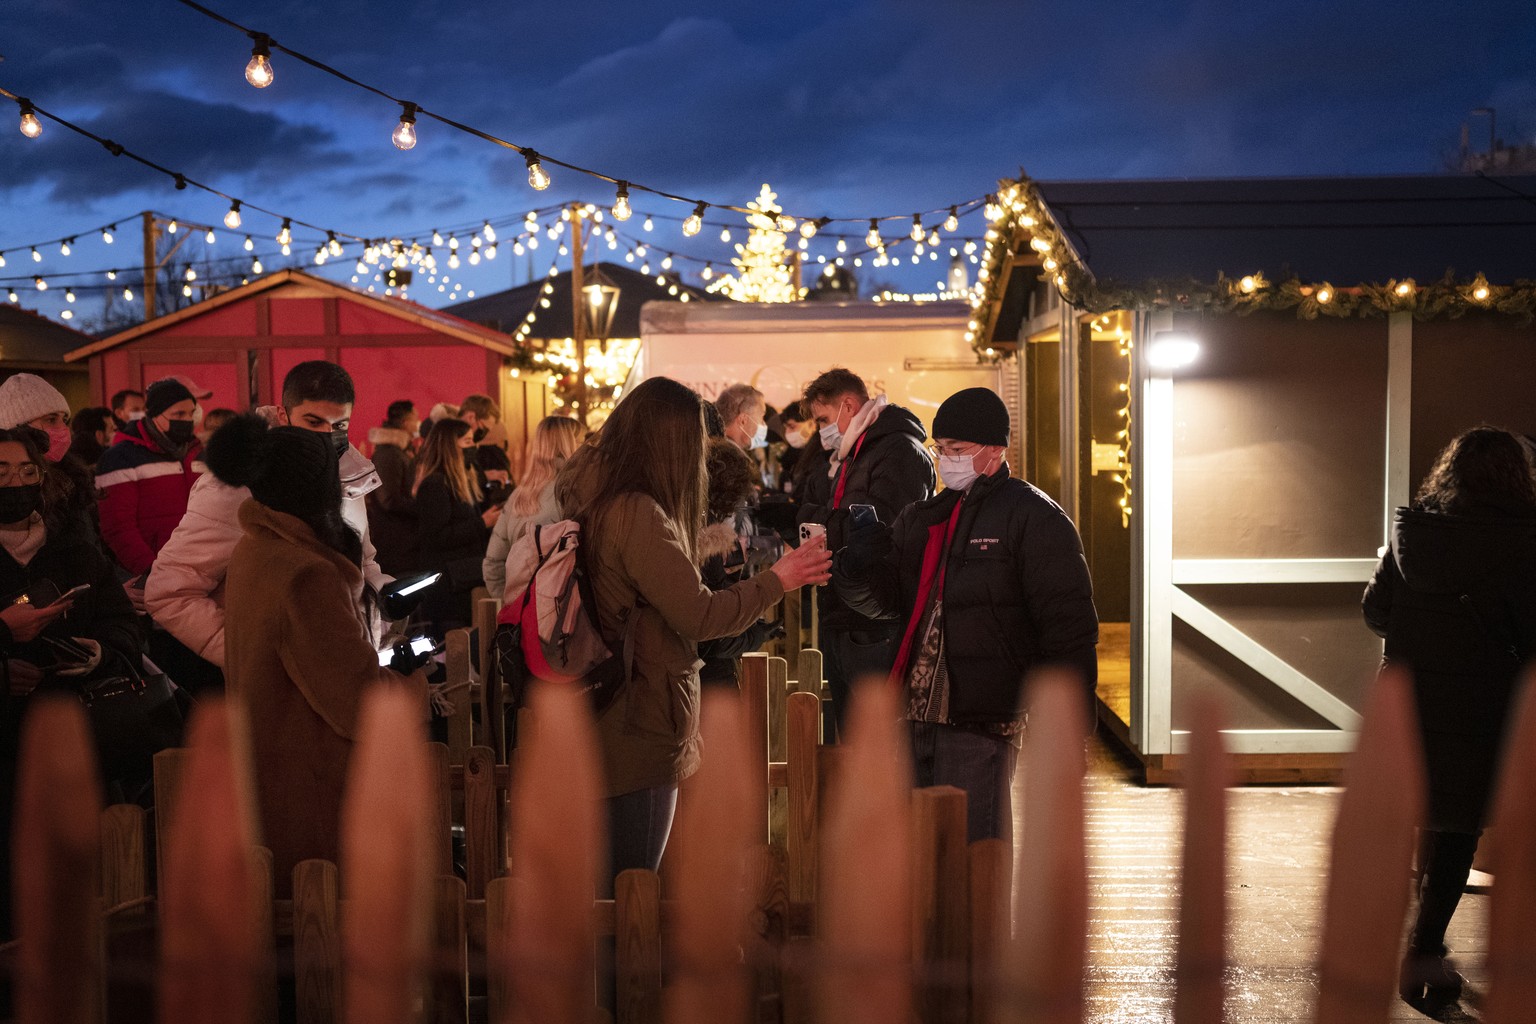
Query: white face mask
[(795, 439), (759, 437), (133, 416), (957, 471), (831, 437)]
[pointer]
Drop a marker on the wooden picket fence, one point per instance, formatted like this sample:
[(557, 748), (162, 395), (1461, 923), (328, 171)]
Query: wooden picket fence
[(874, 909)]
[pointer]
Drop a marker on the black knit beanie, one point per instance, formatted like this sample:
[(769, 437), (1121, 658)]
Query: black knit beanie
[(288, 469), (975, 414), (163, 394)]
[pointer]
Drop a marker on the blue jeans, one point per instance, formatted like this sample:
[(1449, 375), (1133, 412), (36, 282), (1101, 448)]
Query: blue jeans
[(638, 826), (848, 655), (982, 765)]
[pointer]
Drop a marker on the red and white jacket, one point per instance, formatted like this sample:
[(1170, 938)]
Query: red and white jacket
[(144, 494)]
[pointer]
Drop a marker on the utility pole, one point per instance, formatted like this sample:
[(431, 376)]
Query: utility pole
[(578, 314), (151, 265)]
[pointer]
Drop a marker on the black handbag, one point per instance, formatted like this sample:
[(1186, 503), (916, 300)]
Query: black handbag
[(134, 715)]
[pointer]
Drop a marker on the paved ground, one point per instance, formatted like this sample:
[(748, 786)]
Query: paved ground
[(1276, 873)]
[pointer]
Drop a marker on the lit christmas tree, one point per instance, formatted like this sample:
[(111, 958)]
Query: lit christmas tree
[(763, 261)]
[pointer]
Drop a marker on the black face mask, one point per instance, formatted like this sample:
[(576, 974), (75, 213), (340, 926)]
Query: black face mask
[(469, 458), (18, 503), (339, 441), (480, 433), (180, 431)]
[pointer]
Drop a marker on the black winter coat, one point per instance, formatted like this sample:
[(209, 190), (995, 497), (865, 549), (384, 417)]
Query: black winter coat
[(891, 471), (451, 538), (1455, 599), (1017, 594)]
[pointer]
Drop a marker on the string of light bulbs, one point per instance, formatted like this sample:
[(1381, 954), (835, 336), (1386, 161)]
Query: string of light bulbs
[(260, 73)]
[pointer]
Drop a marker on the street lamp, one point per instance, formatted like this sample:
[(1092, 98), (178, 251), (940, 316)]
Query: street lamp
[(602, 302)]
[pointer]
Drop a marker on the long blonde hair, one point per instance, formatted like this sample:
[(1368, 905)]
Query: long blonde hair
[(555, 439), (442, 456)]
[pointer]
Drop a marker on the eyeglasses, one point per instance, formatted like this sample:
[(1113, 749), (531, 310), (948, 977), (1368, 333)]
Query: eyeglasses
[(26, 473), (968, 449)]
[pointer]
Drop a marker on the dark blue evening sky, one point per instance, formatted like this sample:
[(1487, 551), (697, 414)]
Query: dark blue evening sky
[(848, 108)]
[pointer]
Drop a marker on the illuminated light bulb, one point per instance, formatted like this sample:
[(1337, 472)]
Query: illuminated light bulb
[(128, 294), (518, 248), (1248, 284), (2, 259), (629, 257), (210, 237), (564, 251), (232, 218), (332, 244), (362, 268), (1049, 264), (842, 245), (917, 233), (31, 127), (488, 231), (37, 257), (453, 261), (621, 210), (249, 245), (1039, 244), (474, 258), (490, 252), (437, 239), (320, 256), (952, 222), (1324, 295), (42, 285), (725, 234), (191, 274), (708, 272), (64, 247), (538, 178), (649, 224), (255, 266), (171, 227), (106, 236), (872, 239), (186, 290), (11, 294), (404, 135), (69, 295), (1404, 289), (933, 238), (694, 222), (68, 314), (259, 71), (475, 241), (1480, 293), (285, 233), (286, 250), (808, 229), (533, 243)]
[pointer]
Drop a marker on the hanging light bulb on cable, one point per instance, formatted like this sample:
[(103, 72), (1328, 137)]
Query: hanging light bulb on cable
[(917, 233), (256, 266), (285, 233), (621, 210), (873, 239), (232, 218), (42, 285), (64, 247), (31, 127), (37, 257), (249, 245), (332, 244), (488, 231), (404, 135), (210, 237), (538, 179), (259, 71), (106, 236), (695, 220)]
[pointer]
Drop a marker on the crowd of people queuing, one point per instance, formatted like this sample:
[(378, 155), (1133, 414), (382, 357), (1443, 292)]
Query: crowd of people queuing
[(253, 554)]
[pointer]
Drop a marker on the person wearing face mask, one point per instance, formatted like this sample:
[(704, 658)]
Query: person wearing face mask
[(185, 591), (452, 532), (987, 582), (28, 400), (146, 477), (876, 458), (804, 465), (742, 412), (492, 468), (90, 433), (37, 559), (127, 409)]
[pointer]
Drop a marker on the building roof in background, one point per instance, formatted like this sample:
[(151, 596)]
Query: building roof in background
[(1343, 230), (506, 311), (33, 339)]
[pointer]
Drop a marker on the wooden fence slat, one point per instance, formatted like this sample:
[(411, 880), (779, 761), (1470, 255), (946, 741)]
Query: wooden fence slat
[(709, 845), (492, 697), (754, 701), (1200, 971), (316, 942), (1512, 906), (802, 839), (991, 879), (769, 929), (1045, 967), (865, 909), (450, 953), (460, 678), (940, 904), (637, 954), (778, 743), (1373, 840), (794, 640), (168, 766), (556, 835), (264, 925), (124, 863), (57, 839), (211, 948), (500, 897), (441, 818), (482, 840), (808, 674), (386, 932)]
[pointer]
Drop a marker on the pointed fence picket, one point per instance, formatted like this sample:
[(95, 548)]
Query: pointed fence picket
[(892, 917)]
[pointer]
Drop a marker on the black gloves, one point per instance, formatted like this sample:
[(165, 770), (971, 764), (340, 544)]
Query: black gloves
[(866, 548)]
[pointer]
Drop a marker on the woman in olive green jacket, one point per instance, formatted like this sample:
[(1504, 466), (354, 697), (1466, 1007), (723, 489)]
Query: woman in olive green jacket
[(639, 489)]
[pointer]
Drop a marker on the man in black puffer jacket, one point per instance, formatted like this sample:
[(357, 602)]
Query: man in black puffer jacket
[(987, 582), (878, 459)]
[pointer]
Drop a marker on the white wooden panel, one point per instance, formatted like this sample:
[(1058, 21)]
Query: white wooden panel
[(1278, 741), (1188, 571), (1399, 414)]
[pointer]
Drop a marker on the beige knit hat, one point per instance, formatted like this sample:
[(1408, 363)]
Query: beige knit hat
[(26, 396)]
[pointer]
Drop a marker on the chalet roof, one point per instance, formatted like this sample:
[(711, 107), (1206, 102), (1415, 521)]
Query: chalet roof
[(1344, 230), (505, 311), (438, 320), (30, 338)]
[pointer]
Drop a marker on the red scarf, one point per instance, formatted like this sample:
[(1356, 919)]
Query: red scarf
[(935, 561), (842, 473)]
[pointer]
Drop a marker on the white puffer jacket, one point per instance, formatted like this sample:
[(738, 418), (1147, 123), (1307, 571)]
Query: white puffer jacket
[(185, 589)]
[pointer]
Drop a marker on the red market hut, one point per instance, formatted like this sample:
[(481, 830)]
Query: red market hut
[(239, 344)]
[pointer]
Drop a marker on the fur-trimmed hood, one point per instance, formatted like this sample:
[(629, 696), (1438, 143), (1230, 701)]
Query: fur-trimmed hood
[(717, 539)]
